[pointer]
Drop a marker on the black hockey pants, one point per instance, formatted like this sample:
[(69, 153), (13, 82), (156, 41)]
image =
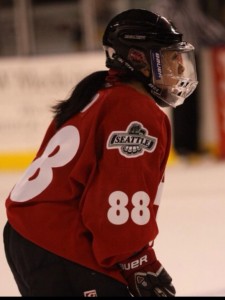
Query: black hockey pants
[(38, 272)]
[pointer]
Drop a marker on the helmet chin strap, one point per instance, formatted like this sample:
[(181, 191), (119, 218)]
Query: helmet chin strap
[(154, 91)]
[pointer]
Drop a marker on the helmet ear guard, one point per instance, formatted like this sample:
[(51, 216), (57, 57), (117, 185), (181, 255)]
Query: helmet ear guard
[(113, 60), (138, 39)]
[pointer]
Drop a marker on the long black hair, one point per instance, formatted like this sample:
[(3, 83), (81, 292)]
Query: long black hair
[(82, 94)]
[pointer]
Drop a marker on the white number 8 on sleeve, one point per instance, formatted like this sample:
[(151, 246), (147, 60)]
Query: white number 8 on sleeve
[(60, 150)]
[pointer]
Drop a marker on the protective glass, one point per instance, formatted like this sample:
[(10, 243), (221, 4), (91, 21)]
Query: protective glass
[(174, 73)]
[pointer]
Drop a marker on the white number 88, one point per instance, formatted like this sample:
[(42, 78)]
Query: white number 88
[(118, 213)]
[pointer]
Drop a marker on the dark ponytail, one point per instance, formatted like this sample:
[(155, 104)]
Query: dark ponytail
[(82, 94)]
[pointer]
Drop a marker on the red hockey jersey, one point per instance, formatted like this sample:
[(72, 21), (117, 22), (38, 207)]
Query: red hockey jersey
[(92, 192)]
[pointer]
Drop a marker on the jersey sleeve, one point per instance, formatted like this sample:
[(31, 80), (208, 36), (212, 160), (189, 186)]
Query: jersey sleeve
[(120, 204)]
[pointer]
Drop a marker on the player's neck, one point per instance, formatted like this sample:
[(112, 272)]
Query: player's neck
[(138, 86)]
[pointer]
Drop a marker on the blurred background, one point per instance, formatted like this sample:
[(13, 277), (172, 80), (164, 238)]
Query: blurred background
[(47, 46), (37, 27)]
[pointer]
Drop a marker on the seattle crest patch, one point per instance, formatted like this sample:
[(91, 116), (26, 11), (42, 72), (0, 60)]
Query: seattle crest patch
[(133, 142)]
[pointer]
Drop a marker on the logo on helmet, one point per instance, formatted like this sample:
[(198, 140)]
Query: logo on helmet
[(156, 64), (135, 37), (137, 58), (133, 142), (91, 293)]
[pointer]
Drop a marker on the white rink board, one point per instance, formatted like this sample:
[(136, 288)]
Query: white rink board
[(28, 89), (30, 86)]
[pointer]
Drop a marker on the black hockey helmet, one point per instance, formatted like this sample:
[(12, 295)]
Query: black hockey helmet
[(138, 39)]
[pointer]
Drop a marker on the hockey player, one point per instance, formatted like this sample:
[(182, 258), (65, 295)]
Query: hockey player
[(82, 219)]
